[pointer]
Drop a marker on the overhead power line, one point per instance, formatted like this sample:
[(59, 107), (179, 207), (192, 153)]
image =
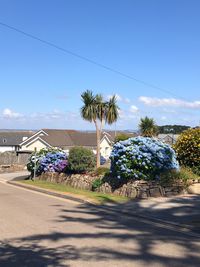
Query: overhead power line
[(89, 60)]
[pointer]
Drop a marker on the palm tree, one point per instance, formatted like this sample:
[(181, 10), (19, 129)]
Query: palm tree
[(148, 127), (98, 111)]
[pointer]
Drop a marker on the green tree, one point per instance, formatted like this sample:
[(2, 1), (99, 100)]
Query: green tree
[(121, 137), (148, 127), (81, 160), (187, 148), (175, 129), (95, 109)]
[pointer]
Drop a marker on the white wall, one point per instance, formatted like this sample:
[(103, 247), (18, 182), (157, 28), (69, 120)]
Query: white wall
[(37, 144), (105, 149), (7, 148)]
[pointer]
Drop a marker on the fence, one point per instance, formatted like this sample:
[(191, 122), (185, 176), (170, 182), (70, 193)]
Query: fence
[(10, 158)]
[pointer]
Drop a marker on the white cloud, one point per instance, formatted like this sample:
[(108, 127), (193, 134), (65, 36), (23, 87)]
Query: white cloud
[(157, 102), (134, 109), (54, 115), (128, 115), (10, 114), (120, 98)]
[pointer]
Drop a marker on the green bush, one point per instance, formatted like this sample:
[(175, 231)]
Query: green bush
[(184, 176), (102, 171), (96, 184), (196, 170), (187, 149), (81, 160), (121, 137)]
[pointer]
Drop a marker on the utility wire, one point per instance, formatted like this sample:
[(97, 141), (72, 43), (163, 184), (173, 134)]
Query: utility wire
[(89, 60)]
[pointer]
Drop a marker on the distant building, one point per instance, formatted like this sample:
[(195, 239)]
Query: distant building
[(168, 138), (10, 140), (66, 139)]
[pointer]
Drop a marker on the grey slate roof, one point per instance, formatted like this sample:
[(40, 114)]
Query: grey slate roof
[(69, 138), (164, 136), (13, 138)]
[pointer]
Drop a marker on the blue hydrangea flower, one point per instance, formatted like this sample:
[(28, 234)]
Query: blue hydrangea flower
[(141, 158)]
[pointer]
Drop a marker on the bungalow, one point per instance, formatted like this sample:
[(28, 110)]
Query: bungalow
[(66, 139), (10, 140)]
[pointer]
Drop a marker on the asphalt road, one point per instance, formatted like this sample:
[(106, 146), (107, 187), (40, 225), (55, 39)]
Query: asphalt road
[(37, 230), (14, 175)]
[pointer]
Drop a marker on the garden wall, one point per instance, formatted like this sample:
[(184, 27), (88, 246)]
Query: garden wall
[(75, 180), (133, 189), (10, 158), (11, 168)]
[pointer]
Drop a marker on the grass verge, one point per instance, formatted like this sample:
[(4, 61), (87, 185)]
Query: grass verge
[(96, 197)]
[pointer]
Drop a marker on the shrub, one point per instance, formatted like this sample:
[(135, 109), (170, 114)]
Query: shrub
[(185, 176), (142, 158), (121, 137), (196, 170), (53, 162), (81, 160), (187, 148), (102, 171), (47, 159), (96, 184)]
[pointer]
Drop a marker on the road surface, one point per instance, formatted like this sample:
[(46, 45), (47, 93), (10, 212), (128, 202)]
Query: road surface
[(37, 230), (10, 176)]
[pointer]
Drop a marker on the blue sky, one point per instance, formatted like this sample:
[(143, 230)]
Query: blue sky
[(152, 40)]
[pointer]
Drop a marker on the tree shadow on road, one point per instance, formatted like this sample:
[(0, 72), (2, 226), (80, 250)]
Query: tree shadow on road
[(105, 234), (31, 255)]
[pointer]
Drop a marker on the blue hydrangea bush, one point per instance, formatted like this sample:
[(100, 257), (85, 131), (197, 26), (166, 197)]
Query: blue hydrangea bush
[(48, 160), (53, 162), (142, 158)]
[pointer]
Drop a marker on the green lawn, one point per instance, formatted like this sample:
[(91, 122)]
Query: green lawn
[(99, 198)]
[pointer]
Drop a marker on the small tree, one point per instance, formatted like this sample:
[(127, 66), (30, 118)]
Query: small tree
[(81, 160), (187, 148), (148, 127), (99, 111)]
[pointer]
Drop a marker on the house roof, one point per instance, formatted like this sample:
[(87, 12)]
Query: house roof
[(13, 138), (84, 139), (58, 138), (164, 136), (69, 138)]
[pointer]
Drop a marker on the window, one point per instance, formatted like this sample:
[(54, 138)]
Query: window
[(4, 141)]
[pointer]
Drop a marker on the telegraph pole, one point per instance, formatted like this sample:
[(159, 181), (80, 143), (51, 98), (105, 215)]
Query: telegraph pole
[(35, 163)]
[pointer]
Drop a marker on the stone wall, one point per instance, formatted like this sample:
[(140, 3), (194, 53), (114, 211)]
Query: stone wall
[(11, 157), (133, 189), (11, 168), (143, 189), (79, 181)]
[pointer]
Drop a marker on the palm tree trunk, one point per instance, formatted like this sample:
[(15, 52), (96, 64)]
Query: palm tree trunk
[(98, 145)]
